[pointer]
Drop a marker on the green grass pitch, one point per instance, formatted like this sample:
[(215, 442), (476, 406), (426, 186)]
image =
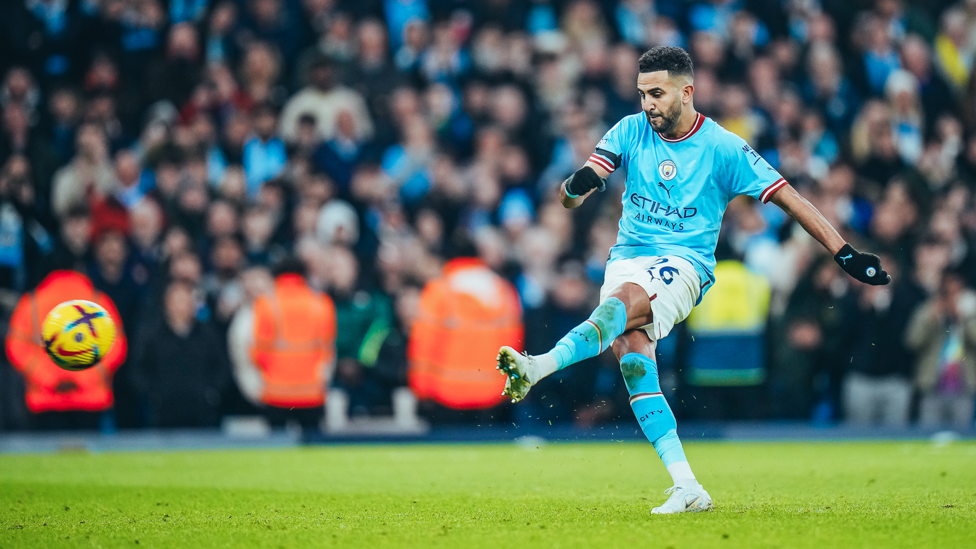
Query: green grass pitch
[(820, 495)]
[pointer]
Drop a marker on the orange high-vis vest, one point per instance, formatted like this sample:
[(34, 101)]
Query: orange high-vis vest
[(49, 388), (465, 316), (294, 343)]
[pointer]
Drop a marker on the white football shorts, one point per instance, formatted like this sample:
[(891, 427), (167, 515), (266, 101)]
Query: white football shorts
[(671, 283)]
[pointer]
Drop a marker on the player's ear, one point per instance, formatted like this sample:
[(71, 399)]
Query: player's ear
[(687, 92)]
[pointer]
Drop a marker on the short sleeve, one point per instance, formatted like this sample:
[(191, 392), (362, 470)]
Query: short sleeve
[(750, 174), (610, 151)]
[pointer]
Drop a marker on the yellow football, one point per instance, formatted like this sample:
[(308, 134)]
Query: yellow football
[(77, 334)]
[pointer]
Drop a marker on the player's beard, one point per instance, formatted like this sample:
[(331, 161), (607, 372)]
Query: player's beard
[(669, 119)]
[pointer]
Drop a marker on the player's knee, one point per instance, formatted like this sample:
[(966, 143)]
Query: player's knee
[(633, 341), (636, 301)]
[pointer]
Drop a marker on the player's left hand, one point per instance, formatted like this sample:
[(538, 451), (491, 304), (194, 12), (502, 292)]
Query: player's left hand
[(863, 267)]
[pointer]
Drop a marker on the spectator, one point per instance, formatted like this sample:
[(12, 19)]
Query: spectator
[(731, 323), (877, 388), (74, 243), (178, 365), (173, 75), (451, 352), (937, 97), (364, 319), (324, 99), (284, 348), (110, 272), (810, 351), (264, 154), (89, 175), (59, 399), (24, 241), (20, 139), (943, 334)]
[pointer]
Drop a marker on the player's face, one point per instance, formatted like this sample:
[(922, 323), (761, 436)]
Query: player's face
[(661, 99)]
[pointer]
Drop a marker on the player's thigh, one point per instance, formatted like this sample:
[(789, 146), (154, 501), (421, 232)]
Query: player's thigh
[(670, 283)]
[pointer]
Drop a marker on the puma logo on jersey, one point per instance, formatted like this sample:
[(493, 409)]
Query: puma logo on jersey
[(666, 189), (846, 257)]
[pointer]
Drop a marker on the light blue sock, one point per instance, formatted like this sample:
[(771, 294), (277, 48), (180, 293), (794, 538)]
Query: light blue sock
[(653, 413), (593, 336)]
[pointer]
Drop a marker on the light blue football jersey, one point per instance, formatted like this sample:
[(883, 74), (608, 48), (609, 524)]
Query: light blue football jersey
[(677, 189)]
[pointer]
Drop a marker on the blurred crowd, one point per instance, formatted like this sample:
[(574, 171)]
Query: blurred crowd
[(153, 143)]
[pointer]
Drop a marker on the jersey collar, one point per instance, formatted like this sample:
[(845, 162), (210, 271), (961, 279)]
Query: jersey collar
[(699, 120)]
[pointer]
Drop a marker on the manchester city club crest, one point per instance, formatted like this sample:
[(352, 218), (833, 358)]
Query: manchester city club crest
[(667, 169)]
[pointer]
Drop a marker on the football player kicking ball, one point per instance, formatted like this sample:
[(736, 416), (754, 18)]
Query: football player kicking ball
[(682, 171)]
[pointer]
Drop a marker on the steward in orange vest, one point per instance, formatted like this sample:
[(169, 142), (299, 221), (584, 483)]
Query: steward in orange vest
[(465, 315), (48, 387), (284, 345)]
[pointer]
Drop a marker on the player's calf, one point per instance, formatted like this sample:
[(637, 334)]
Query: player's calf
[(659, 426)]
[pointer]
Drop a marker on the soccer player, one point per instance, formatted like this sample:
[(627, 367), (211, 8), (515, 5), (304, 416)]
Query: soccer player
[(682, 170)]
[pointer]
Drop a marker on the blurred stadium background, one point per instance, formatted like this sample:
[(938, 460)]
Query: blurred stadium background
[(174, 151)]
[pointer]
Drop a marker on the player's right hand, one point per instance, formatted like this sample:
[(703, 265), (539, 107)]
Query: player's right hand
[(863, 267), (583, 181)]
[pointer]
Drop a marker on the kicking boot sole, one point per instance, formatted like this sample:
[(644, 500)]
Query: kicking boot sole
[(516, 386)]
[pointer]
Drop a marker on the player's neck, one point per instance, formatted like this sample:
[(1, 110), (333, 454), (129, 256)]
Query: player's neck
[(689, 117)]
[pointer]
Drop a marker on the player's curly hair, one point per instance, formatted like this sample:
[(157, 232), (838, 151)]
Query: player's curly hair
[(667, 58)]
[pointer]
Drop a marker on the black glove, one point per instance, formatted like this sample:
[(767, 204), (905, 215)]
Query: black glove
[(583, 181), (863, 267)]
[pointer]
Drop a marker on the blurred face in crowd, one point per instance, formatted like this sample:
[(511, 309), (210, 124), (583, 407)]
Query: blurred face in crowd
[(180, 307), (663, 98), (306, 135), (222, 18), (492, 247), (266, 11), (221, 219), (186, 267), (509, 107), (91, 143), (372, 42), (306, 217), (415, 35), (265, 123), (234, 185), (236, 131), (258, 228), (18, 84), (408, 306), (127, 168), (182, 42), (175, 242), (916, 57), (571, 289), (111, 251), (193, 198), (146, 221), (951, 288), (346, 125), (344, 271), (261, 64), (430, 228), (735, 101), (226, 257), (76, 233), (257, 281), (15, 181), (64, 107), (321, 76)]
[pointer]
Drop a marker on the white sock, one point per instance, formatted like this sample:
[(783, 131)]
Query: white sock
[(681, 475), (545, 365)]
